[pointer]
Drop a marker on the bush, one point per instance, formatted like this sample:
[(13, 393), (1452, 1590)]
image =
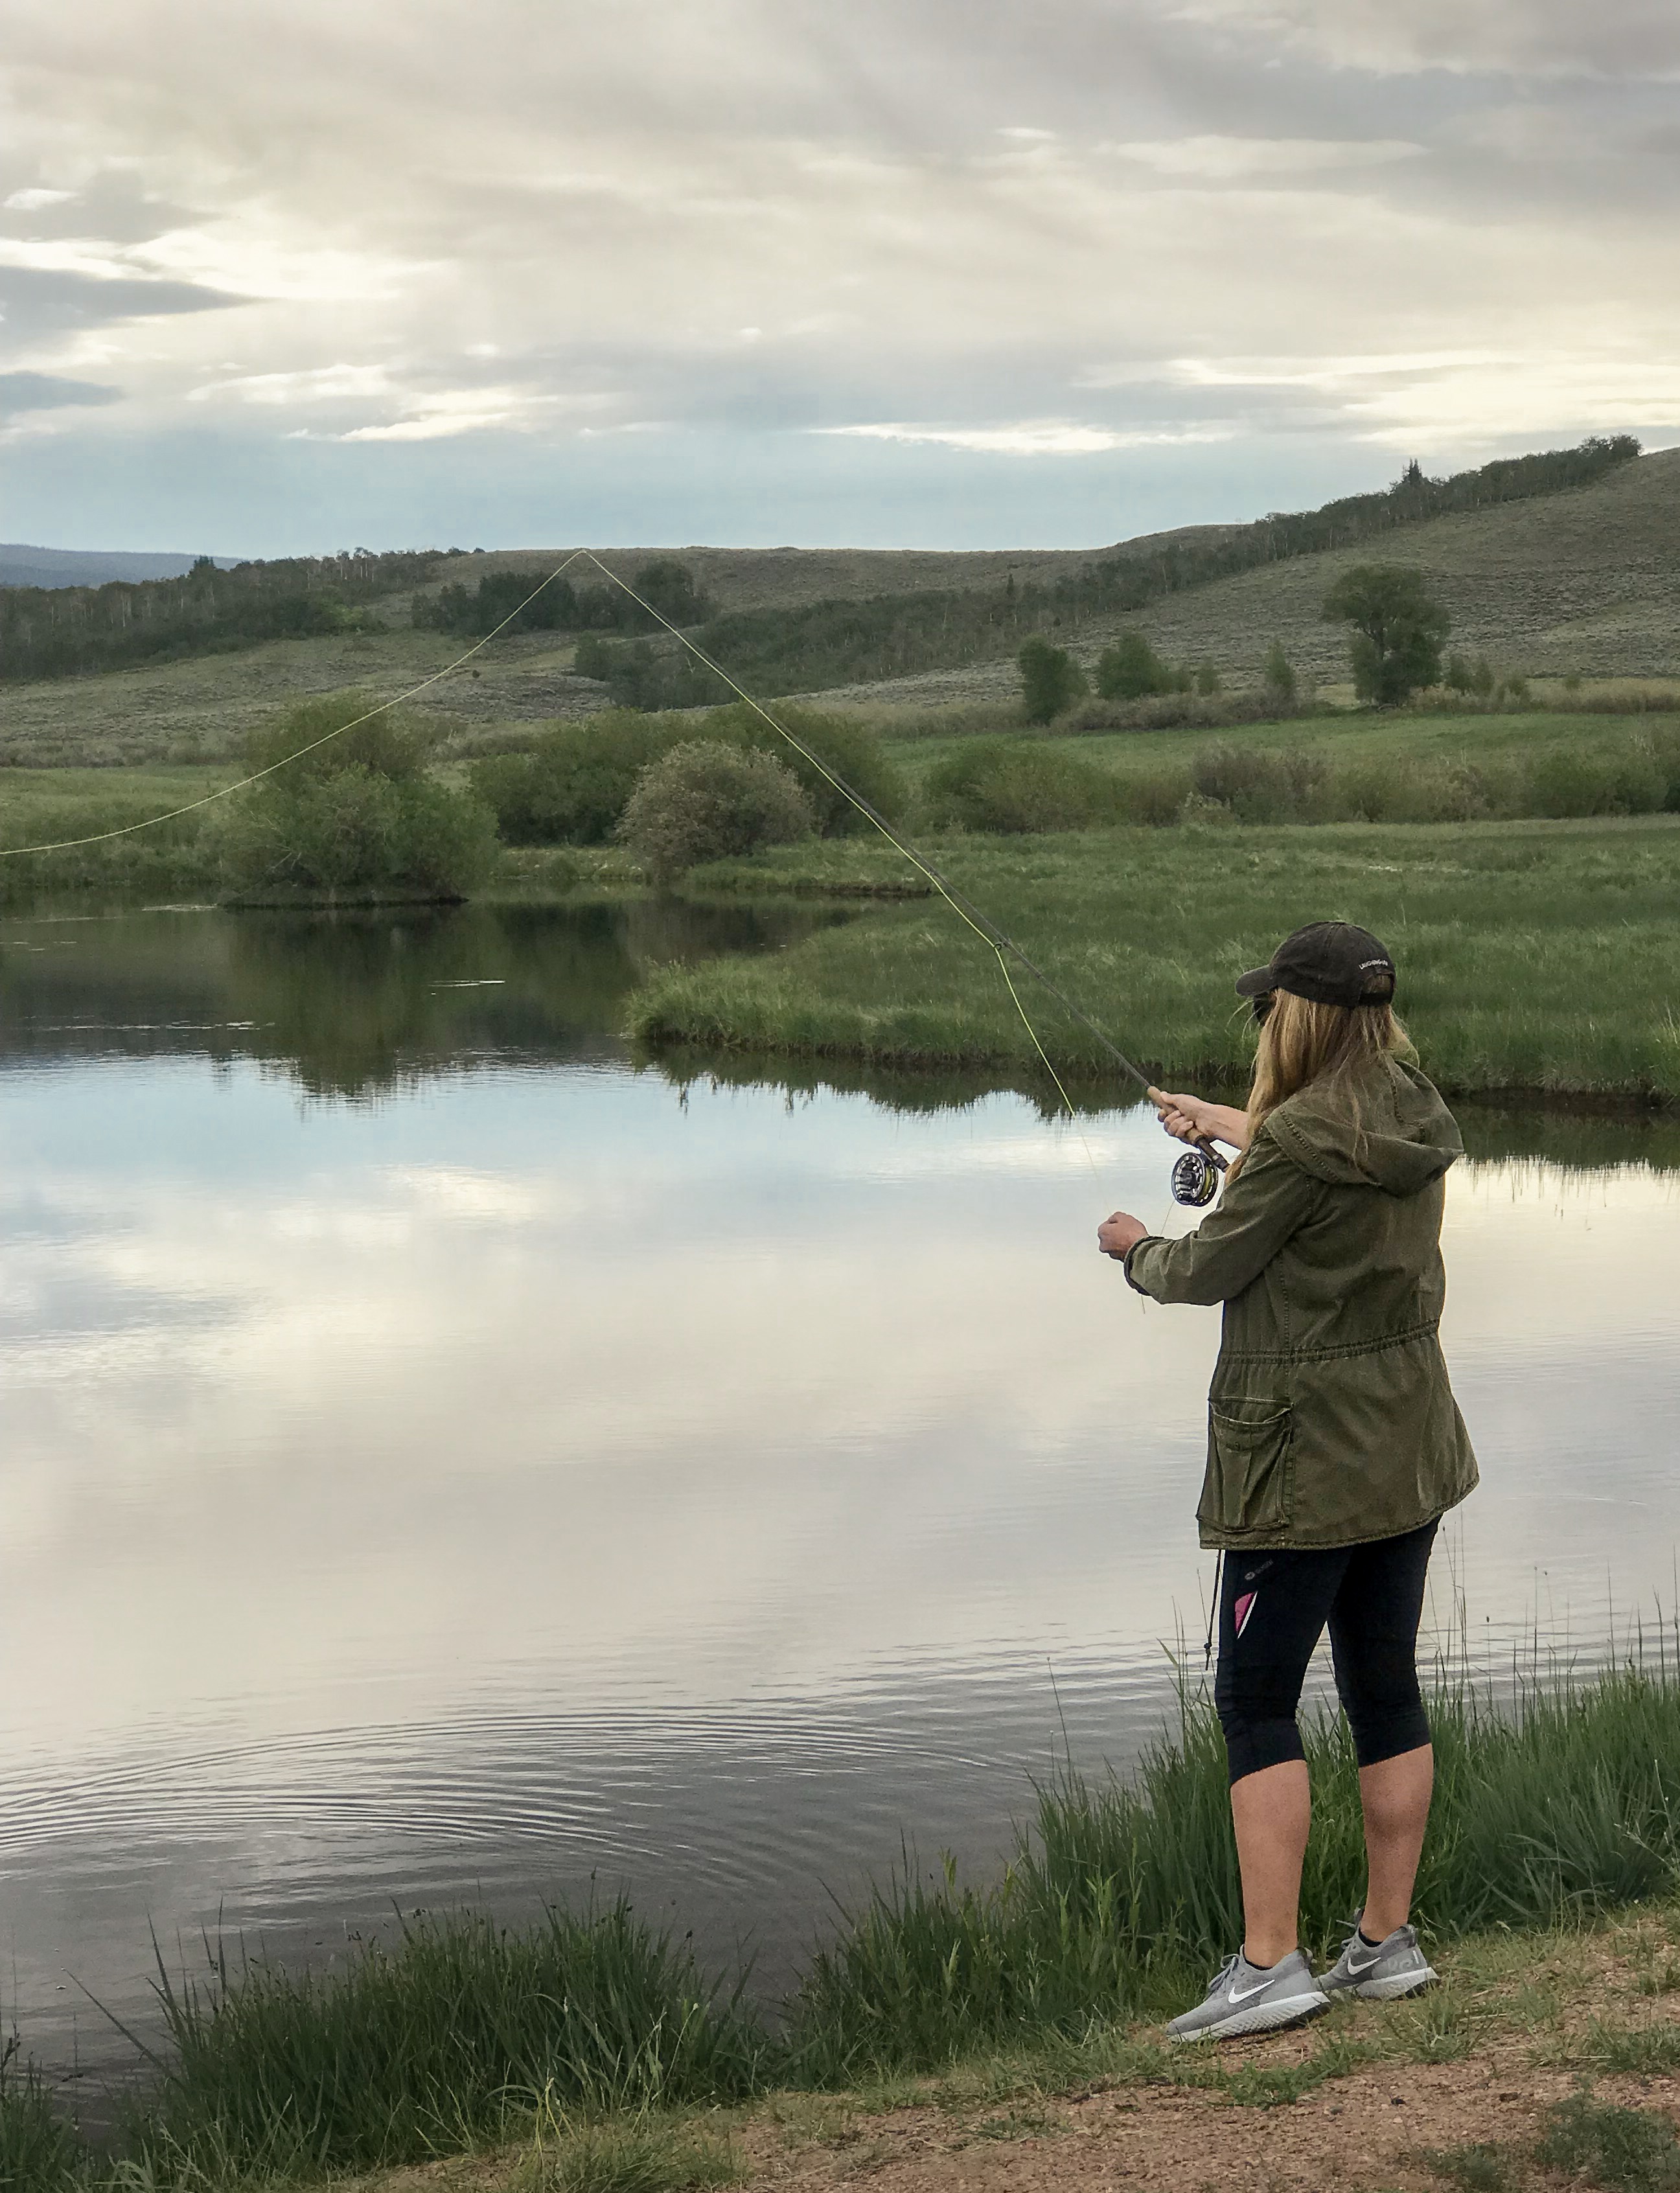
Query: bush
[(1013, 785), (311, 742), (569, 788), (1207, 679), (593, 657), (1277, 677), (708, 799), (1259, 785), (1130, 669), (1459, 676), (1564, 784), (851, 749), (1052, 680), (357, 834), (355, 815)]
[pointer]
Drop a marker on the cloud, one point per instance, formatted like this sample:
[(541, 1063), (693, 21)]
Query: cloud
[(1226, 159), (1563, 37), (793, 230), (1035, 438), (48, 392)]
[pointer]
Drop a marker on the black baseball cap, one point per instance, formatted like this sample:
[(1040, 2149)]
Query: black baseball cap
[(1333, 963)]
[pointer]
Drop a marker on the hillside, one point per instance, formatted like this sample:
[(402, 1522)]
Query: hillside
[(23, 565), (741, 579), (1586, 582)]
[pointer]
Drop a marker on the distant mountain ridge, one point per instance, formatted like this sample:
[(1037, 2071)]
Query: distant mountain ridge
[(24, 564)]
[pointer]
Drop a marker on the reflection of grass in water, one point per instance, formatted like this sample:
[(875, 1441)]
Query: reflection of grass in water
[(1116, 1898), (1530, 954)]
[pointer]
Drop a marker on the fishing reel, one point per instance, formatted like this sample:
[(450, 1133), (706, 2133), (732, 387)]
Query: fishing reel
[(1196, 1177)]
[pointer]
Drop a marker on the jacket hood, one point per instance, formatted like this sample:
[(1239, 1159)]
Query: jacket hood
[(1386, 1128)]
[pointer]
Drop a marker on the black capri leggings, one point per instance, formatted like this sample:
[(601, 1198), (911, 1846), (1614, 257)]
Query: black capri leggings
[(1273, 1607)]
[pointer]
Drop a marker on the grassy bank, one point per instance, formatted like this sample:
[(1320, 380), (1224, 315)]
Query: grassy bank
[(457, 2035), (45, 806), (1534, 956)]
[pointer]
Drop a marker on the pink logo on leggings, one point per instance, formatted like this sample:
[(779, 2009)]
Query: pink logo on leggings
[(1243, 1609)]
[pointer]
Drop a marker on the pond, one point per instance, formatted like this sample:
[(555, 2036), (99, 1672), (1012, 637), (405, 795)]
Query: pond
[(447, 1461)]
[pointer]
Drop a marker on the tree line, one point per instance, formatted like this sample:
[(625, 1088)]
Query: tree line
[(58, 632)]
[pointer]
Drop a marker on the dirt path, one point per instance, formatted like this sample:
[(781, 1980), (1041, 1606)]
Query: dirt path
[(1571, 2039)]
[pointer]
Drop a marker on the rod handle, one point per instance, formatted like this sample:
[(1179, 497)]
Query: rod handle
[(1157, 1098)]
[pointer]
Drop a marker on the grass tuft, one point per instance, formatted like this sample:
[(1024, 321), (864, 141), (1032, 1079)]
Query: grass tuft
[(1623, 2150), (443, 2040), (1480, 2167), (40, 2152)]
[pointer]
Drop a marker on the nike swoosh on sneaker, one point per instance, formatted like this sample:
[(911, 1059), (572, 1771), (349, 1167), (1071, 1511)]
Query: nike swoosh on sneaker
[(1233, 1996)]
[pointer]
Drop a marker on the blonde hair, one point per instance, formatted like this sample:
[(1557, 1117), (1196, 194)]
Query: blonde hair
[(1302, 1041)]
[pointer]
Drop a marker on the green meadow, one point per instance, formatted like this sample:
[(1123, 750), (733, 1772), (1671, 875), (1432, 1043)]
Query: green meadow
[(1535, 956)]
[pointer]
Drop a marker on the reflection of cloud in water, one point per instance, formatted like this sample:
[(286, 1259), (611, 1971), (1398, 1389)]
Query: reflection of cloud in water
[(415, 1445)]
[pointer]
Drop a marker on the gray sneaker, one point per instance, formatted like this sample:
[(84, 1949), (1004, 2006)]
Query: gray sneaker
[(1396, 1966), (1246, 1999)]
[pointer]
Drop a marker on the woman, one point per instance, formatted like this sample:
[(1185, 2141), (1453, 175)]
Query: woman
[(1334, 1444)]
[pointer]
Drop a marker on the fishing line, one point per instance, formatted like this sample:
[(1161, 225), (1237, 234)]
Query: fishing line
[(1199, 1167), (1195, 1176)]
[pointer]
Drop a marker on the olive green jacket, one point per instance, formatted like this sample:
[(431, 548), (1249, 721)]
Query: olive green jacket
[(1331, 1419)]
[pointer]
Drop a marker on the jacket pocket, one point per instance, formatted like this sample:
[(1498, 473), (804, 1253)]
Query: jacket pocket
[(1250, 1484)]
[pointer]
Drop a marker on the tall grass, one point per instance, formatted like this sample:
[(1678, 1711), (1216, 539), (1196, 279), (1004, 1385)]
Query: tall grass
[(1555, 1799), (456, 2031), (1118, 1894), (39, 2151)]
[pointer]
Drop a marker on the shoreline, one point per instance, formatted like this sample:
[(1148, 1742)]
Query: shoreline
[(940, 2000)]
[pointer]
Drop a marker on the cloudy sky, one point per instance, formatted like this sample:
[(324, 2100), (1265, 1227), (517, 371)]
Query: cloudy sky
[(898, 272)]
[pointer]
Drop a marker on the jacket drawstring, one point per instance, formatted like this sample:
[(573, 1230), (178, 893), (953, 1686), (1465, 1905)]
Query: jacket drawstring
[(1213, 1610)]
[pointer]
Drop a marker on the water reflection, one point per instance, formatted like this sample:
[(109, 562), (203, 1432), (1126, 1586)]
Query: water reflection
[(559, 1470), (353, 1003)]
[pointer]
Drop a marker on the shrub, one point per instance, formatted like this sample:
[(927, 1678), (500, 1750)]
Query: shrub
[(357, 815), (570, 786), (1259, 785), (1206, 678), (1563, 784), (1013, 785), (707, 799), (357, 834), (1277, 677), (1051, 678), (1130, 669), (592, 657), (1155, 799), (851, 749), (1459, 676), (321, 738)]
